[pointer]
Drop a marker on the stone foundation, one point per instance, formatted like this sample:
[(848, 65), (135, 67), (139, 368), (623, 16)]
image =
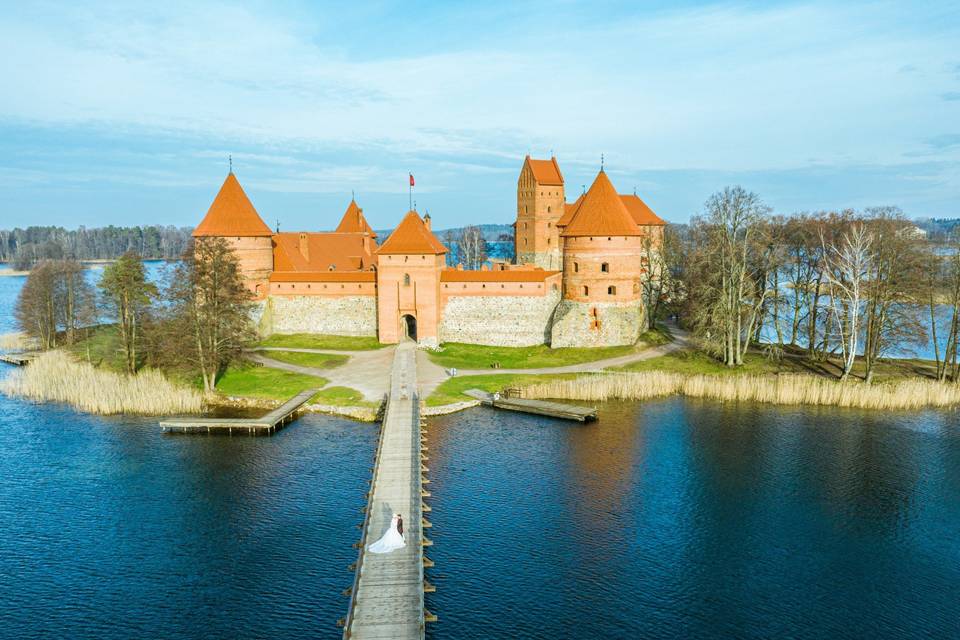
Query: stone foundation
[(549, 260), (503, 321), (574, 325), (336, 316)]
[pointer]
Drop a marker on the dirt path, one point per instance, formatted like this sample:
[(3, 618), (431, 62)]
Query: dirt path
[(366, 371)]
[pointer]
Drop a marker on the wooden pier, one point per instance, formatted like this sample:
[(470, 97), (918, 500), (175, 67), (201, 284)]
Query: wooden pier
[(538, 407), (18, 359), (386, 599), (266, 425)]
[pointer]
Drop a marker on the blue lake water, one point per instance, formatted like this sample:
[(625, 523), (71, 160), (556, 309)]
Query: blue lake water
[(667, 519)]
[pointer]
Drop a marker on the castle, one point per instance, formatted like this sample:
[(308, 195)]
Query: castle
[(576, 281)]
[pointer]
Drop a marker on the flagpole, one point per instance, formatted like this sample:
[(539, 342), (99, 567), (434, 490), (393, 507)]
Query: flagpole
[(410, 187)]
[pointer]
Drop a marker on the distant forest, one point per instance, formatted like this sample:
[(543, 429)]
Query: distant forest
[(24, 247)]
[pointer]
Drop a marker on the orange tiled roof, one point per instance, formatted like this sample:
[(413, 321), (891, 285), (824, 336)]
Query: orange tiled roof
[(231, 214), (513, 275), (323, 276), (412, 236), (568, 210), (601, 213), (641, 213), (545, 172), (343, 251), (353, 221)]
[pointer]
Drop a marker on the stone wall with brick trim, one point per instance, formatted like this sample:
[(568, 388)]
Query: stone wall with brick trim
[(503, 321), (615, 323), (336, 316)]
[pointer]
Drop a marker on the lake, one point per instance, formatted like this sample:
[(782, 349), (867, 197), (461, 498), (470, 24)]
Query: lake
[(674, 518)]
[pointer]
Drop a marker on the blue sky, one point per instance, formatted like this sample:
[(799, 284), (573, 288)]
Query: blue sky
[(125, 114)]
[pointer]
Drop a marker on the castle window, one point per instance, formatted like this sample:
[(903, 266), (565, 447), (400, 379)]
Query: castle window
[(576, 268), (548, 208), (308, 286), (611, 291), (605, 267), (333, 267), (483, 286), (406, 279), (554, 287), (586, 291), (609, 238)]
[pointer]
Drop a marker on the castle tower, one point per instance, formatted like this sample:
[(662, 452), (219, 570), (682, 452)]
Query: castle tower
[(602, 247), (233, 217), (408, 283), (540, 203)]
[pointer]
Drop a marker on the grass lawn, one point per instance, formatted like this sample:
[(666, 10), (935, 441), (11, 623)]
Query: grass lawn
[(452, 388), (342, 397), (263, 382), (474, 356), (317, 341), (317, 360), (102, 345)]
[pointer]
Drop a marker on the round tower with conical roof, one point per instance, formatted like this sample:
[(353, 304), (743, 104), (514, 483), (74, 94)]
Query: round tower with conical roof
[(233, 217), (601, 248)]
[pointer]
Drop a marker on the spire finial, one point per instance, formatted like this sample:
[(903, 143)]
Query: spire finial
[(601, 162), (278, 225), (584, 189), (230, 160), (353, 195), (634, 189)]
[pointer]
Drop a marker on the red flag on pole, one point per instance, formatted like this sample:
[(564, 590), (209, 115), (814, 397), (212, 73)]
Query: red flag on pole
[(411, 180)]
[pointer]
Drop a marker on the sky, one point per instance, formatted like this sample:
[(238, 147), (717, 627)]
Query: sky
[(121, 113)]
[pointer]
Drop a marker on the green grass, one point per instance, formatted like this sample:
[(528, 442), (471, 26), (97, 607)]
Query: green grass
[(317, 341), (451, 390), (693, 362), (102, 345), (475, 356), (342, 397), (263, 382), (316, 360)]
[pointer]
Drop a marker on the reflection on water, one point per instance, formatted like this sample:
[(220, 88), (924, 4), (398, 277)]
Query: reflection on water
[(112, 530), (698, 520)]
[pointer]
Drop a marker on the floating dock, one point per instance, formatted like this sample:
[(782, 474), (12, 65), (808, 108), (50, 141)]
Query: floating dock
[(266, 425), (386, 599), (19, 359), (538, 407)]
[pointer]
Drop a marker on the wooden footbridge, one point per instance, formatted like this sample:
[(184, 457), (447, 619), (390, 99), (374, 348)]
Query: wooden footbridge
[(386, 599), (266, 425)]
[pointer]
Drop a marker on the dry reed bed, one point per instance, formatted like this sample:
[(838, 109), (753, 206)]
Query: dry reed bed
[(915, 393), (54, 376), (17, 342)]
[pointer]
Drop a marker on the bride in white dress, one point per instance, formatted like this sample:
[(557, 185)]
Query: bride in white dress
[(391, 540)]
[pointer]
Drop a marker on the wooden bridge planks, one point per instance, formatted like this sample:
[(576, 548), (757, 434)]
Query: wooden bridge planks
[(266, 425), (538, 407)]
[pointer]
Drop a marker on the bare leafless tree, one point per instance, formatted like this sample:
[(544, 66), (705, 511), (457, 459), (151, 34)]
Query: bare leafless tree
[(848, 265)]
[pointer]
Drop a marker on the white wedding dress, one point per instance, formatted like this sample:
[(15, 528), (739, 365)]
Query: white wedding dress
[(390, 541)]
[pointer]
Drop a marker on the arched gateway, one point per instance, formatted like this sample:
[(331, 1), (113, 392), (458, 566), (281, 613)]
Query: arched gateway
[(409, 327)]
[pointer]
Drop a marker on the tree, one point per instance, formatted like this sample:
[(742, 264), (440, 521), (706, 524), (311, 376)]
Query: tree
[(655, 280), (36, 306), (848, 264), (128, 294), (56, 297), (731, 262), (472, 247), (210, 315)]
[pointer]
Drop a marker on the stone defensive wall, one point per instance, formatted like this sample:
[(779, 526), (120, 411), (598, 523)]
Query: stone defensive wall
[(596, 324), (331, 303), (499, 308)]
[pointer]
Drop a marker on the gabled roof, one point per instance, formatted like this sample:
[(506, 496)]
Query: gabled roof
[(545, 172), (412, 236), (232, 214), (353, 221), (641, 213), (342, 251), (601, 213)]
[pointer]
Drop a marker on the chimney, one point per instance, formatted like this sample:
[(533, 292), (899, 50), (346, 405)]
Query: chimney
[(426, 222), (304, 246)]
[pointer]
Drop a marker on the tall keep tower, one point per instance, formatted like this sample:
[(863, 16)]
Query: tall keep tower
[(233, 218), (540, 203)]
